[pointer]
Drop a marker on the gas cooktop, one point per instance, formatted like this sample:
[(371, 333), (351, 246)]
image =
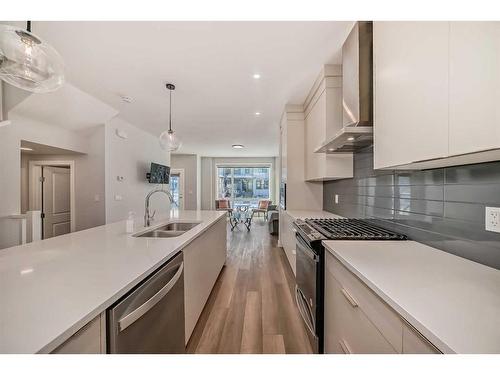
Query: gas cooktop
[(352, 229)]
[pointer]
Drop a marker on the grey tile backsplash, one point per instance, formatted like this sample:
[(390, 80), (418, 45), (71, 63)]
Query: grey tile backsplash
[(443, 208)]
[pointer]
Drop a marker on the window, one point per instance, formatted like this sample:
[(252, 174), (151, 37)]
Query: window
[(243, 186)]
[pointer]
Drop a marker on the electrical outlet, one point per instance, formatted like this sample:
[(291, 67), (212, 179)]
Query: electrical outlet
[(336, 199), (492, 219)]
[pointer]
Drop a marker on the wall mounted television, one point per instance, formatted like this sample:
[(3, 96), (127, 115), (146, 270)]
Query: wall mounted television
[(159, 174)]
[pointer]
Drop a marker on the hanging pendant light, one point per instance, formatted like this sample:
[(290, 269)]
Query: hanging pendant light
[(27, 62), (168, 139)]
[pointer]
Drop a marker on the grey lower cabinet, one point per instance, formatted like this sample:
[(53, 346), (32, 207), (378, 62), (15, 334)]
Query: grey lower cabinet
[(90, 339), (415, 343), (357, 321), (203, 259)]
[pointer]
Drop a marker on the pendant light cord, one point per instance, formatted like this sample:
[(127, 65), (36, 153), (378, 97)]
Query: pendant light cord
[(170, 115), (28, 26)]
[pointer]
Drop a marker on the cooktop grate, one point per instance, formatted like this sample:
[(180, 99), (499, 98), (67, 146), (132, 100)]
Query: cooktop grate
[(352, 229)]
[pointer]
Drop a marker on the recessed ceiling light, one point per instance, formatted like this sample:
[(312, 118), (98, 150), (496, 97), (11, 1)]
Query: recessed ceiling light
[(256, 76), (331, 149), (26, 149), (257, 113), (238, 146), (350, 139)]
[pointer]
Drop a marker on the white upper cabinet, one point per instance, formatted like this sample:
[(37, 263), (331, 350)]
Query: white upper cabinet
[(474, 86), (411, 92), (300, 195), (323, 119), (437, 89)]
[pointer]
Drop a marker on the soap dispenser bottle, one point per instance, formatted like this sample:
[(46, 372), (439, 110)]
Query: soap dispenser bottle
[(130, 222)]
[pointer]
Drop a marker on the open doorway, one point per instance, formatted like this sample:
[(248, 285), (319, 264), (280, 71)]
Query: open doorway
[(176, 184), (48, 186)]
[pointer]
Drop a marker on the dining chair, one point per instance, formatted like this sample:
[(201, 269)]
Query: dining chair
[(262, 207)]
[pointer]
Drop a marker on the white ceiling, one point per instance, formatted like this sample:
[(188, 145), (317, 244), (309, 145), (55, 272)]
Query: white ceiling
[(211, 63), (67, 107)]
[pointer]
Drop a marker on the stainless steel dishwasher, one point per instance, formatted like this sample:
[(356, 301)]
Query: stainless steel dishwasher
[(150, 319)]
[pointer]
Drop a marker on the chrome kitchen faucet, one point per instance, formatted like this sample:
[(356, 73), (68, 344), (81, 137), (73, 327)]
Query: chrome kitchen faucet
[(147, 216)]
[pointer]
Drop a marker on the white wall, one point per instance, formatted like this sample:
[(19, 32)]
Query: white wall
[(131, 159), (207, 178), (21, 128), (189, 163), (208, 173), (89, 181), (10, 155)]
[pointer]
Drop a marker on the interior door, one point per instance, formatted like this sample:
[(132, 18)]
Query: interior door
[(56, 201)]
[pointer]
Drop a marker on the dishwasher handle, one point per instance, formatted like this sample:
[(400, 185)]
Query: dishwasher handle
[(130, 318)]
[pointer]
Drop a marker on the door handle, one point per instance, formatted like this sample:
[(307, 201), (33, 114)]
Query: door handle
[(305, 249), (345, 348), (130, 318), (349, 298), (300, 306)]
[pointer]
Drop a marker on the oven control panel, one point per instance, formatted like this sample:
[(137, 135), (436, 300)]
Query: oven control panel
[(307, 230)]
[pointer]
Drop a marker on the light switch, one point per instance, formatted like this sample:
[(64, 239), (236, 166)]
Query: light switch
[(118, 197)]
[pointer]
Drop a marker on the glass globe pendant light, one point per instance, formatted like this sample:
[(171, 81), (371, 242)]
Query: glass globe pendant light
[(168, 139), (27, 62)]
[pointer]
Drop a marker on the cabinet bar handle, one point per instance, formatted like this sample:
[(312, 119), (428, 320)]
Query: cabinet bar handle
[(345, 348), (349, 298)]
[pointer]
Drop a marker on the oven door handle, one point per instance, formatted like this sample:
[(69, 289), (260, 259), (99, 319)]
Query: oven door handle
[(302, 245), (299, 299)]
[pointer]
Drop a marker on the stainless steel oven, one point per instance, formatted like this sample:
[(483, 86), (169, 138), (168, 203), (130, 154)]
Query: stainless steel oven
[(306, 290), (310, 258)]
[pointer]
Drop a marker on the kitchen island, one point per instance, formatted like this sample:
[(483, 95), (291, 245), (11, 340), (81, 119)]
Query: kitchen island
[(50, 289)]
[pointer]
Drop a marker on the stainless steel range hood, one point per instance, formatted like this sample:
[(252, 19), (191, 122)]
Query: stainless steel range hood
[(357, 92)]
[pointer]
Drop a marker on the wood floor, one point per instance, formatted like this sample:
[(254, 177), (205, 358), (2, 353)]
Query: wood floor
[(252, 306)]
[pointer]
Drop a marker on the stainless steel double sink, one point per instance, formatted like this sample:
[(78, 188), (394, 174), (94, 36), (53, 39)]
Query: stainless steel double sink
[(169, 230)]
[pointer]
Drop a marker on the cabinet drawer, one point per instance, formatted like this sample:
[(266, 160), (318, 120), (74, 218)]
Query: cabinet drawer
[(415, 343), (347, 329), (377, 311)]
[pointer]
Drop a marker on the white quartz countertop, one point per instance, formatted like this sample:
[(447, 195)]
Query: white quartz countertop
[(310, 214), (50, 289), (452, 301)]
